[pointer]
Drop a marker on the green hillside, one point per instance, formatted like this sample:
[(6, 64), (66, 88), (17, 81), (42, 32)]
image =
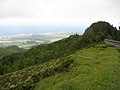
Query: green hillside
[(94, 68), (99, 31), (96, 33), (10, 50), (74, 63), (40, 54), (25, 79)]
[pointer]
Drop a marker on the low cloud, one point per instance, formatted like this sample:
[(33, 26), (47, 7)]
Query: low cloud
[(58, 11)]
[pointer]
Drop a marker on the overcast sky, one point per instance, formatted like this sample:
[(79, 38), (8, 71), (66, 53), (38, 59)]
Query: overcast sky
[(58, 12)]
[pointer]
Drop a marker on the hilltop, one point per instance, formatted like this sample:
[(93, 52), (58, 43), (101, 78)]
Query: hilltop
[(77, 57), (101, 30)]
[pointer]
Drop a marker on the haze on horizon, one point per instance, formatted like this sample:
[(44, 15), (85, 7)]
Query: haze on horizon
[(34, 16)]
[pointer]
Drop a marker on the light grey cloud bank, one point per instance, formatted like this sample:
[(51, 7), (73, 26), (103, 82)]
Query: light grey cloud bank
[(46, 12)]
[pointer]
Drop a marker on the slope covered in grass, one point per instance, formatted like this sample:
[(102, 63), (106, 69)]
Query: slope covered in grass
[(67, 64), (26, 78), (40, 54), (95, 68), (96, 33)]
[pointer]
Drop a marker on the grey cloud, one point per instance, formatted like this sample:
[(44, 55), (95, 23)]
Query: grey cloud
[(76, 11)]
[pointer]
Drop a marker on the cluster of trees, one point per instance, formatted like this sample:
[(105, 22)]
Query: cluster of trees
[(101, 30), (96, 33), (5, 51), (40, 54)]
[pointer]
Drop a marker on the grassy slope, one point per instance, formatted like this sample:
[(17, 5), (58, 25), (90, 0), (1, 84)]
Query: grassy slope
[(96, 68), (26, 78)]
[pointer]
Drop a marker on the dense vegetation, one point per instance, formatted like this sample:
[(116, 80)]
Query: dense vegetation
[(68, 64), (5, 51), (96, 33), (40, 54), (94, 68), (25, 79), (101, 30)]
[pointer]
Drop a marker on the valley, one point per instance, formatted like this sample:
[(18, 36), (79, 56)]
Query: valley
[(26, 41)]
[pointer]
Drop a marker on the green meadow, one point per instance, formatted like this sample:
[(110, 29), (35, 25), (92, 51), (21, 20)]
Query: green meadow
[(95, 68)]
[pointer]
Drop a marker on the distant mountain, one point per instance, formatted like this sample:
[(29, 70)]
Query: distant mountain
[(29, 40)]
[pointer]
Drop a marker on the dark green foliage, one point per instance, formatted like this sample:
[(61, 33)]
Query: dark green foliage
[(25, 79), (16, 48), (103, 46), (118, 35), (94, 68), (96, 33), (50, 59), (40, 54), (101, 30), (5, 51), (118, 49)]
